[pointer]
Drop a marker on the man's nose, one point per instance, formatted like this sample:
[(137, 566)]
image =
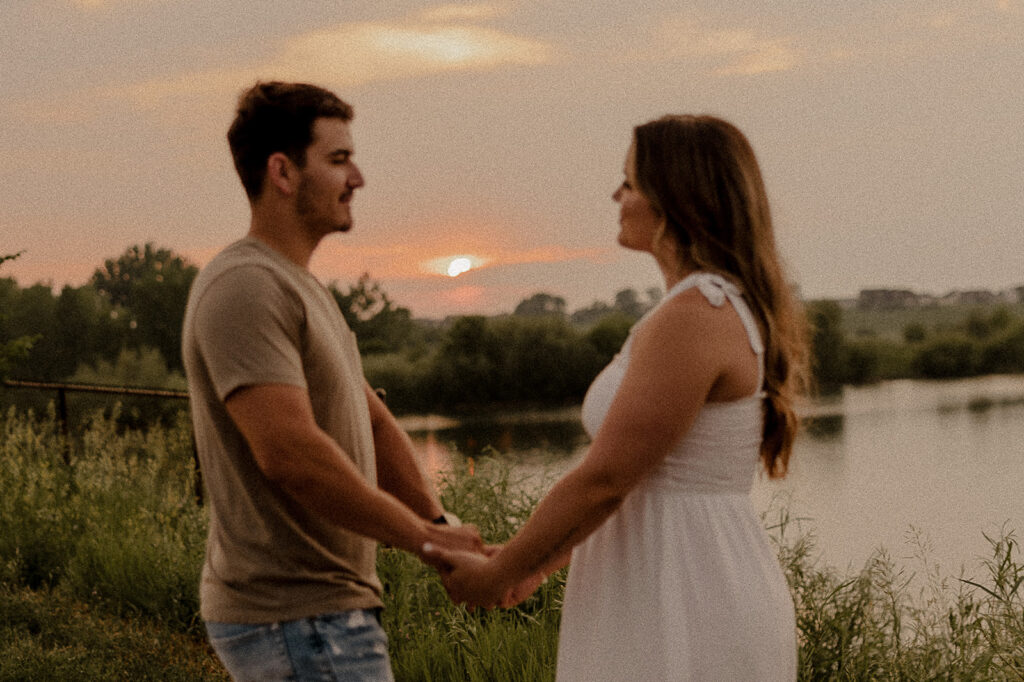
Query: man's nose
[(356, 178)]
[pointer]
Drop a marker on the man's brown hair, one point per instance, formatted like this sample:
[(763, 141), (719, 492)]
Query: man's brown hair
[(278, 117)]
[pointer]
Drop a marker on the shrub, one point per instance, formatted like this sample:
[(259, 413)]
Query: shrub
[(1004, 354), (947, 357)]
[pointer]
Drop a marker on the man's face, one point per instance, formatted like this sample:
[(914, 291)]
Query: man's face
[(329, 178)]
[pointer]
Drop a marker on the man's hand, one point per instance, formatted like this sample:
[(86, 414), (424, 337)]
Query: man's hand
[(464, 538)]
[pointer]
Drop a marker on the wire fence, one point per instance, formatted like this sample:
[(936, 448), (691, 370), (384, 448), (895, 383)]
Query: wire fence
[(63, 388)]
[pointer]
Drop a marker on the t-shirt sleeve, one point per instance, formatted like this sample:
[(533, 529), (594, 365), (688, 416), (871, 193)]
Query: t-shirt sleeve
[(248, 326)]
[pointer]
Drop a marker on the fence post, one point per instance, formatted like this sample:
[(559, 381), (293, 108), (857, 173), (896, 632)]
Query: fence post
[(64, 429)]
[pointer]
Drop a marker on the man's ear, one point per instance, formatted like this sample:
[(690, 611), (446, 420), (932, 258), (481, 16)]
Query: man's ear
[(282, 173)]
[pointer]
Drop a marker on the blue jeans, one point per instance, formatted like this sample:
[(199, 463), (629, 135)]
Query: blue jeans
[(350, 645)]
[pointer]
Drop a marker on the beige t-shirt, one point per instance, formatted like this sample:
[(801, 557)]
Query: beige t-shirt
[(254, 317)]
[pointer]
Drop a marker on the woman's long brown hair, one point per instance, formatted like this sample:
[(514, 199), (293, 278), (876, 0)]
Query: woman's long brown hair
[(701, 174)]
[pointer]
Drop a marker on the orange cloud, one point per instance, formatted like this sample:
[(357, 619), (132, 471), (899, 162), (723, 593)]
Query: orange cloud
[(423, 261), (95, 4), (341, 56), (739, 51), (456, 12), (354, 54)]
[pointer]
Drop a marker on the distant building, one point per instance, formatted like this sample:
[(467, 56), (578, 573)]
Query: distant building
[(900, 299), (975, 297), (887, 299)]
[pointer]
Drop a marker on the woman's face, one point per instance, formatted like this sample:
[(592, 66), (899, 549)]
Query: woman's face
[(639, 223)]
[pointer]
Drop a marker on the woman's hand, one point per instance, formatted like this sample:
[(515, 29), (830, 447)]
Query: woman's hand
[(522, 590)]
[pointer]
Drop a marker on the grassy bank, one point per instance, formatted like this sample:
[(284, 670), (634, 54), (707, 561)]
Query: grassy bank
[(100, 555)]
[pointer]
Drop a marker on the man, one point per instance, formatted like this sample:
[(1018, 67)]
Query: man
[(305, 467)]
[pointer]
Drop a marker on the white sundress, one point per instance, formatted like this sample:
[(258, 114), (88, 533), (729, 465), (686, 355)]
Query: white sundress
[(681, 582)]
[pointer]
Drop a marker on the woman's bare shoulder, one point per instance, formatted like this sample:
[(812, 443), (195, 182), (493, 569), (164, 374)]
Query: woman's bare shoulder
[(690, 318), (689, 337)]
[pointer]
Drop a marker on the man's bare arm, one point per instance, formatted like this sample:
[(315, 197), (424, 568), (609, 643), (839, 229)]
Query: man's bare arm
[(292, 451)]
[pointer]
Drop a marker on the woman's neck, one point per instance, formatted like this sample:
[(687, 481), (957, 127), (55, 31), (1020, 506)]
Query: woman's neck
[(674, 270)]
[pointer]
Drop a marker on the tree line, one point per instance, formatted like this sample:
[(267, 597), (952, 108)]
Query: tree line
[(123, 327), (986, 340)]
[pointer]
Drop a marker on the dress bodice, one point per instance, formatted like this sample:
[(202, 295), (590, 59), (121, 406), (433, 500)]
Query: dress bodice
[(719, 453)]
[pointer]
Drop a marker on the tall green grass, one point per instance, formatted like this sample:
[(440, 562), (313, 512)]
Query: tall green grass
[(432, 639), (101, 545), (109, 518)]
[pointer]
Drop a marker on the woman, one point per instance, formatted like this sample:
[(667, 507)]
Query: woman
[(672, 575)]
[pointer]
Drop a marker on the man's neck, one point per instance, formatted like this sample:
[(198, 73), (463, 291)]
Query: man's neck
[(284, 234)]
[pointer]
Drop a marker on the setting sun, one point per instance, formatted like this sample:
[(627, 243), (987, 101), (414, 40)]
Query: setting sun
[(454, 265), (459, 265)]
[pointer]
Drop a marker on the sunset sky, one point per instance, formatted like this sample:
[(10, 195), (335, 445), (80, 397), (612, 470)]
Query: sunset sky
[(891, 134)]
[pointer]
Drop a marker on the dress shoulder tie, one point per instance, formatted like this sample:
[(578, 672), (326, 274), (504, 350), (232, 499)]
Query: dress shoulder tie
[(717, 289)]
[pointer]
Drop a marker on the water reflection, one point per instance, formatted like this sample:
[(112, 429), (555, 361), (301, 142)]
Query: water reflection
[(943, 457), (474, 438), (541, 445), (824, 427)]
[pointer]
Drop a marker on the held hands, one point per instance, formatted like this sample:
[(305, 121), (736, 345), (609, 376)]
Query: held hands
[(475, 579)]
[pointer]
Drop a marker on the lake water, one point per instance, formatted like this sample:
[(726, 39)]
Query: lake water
[(942, 461)]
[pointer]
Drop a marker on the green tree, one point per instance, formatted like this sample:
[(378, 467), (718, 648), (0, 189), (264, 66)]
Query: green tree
[(608, 335), (87, 330), (149, 286), (859, 361), (978, 325), (380, 326), (1004, 354), (947, 357), (628, 302), (465, 372), (542, 361), (540, 305), (592, 314), (33, 313), (1001, 319), (827, 342), (12, 348), (914, 332), (138, 367)]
